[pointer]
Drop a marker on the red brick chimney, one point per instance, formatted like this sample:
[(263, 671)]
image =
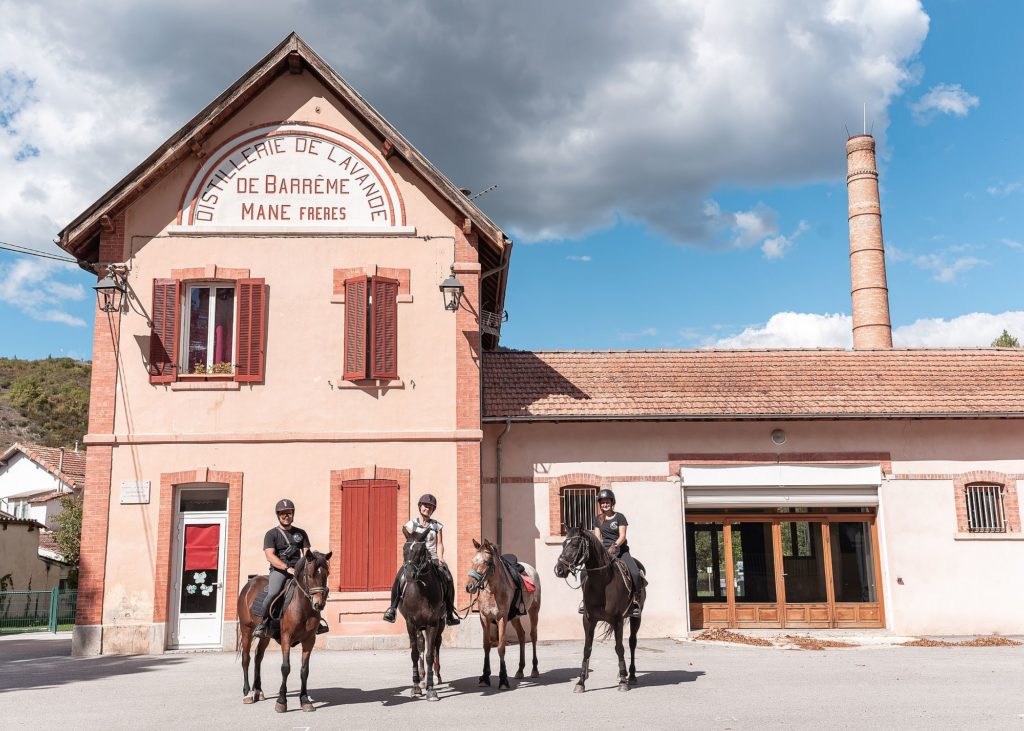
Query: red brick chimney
[(871, 326)]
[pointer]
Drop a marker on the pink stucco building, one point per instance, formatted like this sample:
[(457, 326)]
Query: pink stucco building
[(283, 335)]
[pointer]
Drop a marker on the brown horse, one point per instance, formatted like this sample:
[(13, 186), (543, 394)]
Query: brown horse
[(606, 598), (492, 580), (299, 623), (422, 606)]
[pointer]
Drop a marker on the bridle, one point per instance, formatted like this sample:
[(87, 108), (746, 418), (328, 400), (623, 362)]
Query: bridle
[(309, 592), (418, 568), (578, 566), (480, 580)]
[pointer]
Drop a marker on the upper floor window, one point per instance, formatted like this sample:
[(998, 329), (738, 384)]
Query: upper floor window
[(985, 508), (579, 506), (371, 328), (209, 329)]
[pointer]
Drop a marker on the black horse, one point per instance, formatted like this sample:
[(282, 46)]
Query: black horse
[(422, 605), (606, 598)]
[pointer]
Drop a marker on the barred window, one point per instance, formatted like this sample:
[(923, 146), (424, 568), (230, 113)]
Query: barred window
[(579, 506), (985, 513)]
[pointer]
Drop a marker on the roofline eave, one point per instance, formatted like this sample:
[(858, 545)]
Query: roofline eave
[(756, 417)]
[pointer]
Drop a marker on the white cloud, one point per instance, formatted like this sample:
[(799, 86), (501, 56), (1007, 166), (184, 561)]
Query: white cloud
[(794, 330), (949, 99), (584, 113), (647, 332), (810, 330), (30, 285), (776, 247), (585, 257), (1012, 243), (741, 229), (944, 268), (1004, 188)]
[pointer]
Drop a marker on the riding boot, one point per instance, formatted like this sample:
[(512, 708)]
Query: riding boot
[(260, 630), (322, 628), (451, 616), (637, 608), (396, 596)]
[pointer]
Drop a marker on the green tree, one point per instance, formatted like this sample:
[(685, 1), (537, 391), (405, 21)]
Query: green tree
[(69, 531), (1005, 341)]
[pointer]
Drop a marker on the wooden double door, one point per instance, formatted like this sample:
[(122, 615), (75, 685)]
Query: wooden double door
[(801, 570)]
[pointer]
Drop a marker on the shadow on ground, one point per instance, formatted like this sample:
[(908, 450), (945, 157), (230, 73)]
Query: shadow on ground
[(559, 676), (35, 663)]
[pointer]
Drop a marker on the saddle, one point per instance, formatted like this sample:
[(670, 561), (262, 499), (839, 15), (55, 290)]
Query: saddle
[(276, 607), (517, 572)]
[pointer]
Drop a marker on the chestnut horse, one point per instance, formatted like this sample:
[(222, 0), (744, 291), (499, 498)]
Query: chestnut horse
[(422, 606), (298, 625), (606, 598), (492, 580)]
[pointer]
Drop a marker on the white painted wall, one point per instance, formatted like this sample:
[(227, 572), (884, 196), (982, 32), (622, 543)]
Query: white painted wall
[(22, 477)]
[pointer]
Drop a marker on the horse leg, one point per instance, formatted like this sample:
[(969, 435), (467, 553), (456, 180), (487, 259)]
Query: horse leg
[(257, 683), (485, 679), (621, 654), (286, 666), (502, 636), (414, 652), (431, 641), (518, 624), (437, 656), (634, 627), (307, 650), (422, 647), (534, 614), (246, 648), (588, 644)]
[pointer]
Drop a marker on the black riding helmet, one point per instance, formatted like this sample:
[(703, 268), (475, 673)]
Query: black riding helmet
[(606, 495), (284, 506), (428, 499)]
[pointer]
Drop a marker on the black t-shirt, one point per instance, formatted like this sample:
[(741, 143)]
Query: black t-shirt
[(609, 529), (287, 549)]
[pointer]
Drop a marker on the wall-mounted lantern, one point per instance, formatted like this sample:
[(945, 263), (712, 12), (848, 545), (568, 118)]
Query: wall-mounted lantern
[(109, 292), (452, 289)]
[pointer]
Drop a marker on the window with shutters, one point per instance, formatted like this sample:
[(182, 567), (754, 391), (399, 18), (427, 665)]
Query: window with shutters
[(371, 328), (209, 329), (369, 534)]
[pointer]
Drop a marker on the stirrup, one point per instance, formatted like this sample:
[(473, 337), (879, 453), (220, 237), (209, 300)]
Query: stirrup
[(390, 615), (260, 630), (452, 619), (636, 611), (581, 610), (322, 628)]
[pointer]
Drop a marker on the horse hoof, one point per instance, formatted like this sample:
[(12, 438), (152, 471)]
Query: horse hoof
[(484, 682), (308, 707), (579, 688), (623, 686), (280, 707), (247, 700), (258, 696), (535, 673), (432, 695), (503, 684), (519, 675), (415, 691)]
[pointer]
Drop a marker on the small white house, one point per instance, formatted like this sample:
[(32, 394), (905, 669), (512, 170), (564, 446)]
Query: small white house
[(32, 480)]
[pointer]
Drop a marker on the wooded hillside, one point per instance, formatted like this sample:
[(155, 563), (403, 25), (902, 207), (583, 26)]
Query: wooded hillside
[(44, 401)]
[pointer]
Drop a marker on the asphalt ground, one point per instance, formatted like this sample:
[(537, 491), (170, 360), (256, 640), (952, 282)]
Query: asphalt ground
[(683, 684)]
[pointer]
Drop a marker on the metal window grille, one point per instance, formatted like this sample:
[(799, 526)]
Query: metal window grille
[(579, 506), (985, 512)]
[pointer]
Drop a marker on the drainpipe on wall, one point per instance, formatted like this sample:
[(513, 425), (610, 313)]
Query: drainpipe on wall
[(508, 426)]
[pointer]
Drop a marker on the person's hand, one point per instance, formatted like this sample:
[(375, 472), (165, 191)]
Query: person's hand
[(613, 550), (291, 571)]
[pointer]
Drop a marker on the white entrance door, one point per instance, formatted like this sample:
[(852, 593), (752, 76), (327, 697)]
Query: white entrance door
[(198, 588)]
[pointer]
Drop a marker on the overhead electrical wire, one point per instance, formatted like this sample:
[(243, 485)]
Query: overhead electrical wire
[(18, 249)]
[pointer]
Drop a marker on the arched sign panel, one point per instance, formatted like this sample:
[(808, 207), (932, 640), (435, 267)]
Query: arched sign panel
[(292, 178)]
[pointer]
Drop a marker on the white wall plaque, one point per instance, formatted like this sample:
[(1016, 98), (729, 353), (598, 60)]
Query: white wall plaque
[(134, 493), (292, 177)]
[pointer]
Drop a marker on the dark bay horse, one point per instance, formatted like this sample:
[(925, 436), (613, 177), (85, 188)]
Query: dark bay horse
[(422, 606), (493, 581), (298, 625), (606, 598)]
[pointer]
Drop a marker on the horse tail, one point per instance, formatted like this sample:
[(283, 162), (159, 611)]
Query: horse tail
[(238, 639), (608, 630)]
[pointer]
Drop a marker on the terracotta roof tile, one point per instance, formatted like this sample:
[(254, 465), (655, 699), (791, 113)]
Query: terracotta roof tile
[(754, 383), (70, 468)]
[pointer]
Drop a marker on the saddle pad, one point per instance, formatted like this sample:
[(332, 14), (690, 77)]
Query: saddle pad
[(527, 583)]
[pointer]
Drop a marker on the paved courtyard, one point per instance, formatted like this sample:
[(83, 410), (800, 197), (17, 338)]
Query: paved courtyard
[(682, 685)]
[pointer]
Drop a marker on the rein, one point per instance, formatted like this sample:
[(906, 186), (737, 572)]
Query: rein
[(300, 570), (579, 563)]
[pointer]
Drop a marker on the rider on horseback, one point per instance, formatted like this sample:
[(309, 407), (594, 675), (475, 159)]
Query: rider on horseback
[(610, 527), (435, 544), (284, 545)]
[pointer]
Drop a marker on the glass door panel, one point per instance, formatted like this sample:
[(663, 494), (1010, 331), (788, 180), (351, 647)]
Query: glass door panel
[(853, 562), (753, 565), (705, 554), (803, 562)]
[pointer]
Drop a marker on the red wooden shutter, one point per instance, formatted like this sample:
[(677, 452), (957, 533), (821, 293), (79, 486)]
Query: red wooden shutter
[(384, 329), (355, 509), (163, 339), (355, 329), (383, 534), (252, 330)]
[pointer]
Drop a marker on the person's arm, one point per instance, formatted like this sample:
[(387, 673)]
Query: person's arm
[(276, 562), (621, 539), (440, 545)]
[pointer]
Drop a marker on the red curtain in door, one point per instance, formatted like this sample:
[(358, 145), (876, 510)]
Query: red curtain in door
[(202, 546)]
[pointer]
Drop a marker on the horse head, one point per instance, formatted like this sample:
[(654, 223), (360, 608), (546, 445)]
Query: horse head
[(314, 570), (481, 566), (575, 551)]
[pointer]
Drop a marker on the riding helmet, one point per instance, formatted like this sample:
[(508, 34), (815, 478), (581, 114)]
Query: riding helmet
[(284, 505), (606, 495), (428, 499)]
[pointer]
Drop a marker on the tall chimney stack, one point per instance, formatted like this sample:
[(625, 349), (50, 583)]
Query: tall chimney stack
[(871, 325)]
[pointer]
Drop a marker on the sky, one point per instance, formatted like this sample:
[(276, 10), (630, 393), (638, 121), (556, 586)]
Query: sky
[(672, 173)]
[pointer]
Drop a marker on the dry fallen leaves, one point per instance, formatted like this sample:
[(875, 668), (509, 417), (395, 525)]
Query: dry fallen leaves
[(812, 643), (716, 634), (989, 641)]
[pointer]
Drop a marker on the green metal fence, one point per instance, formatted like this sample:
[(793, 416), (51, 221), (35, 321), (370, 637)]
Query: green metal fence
[(52, 610)]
